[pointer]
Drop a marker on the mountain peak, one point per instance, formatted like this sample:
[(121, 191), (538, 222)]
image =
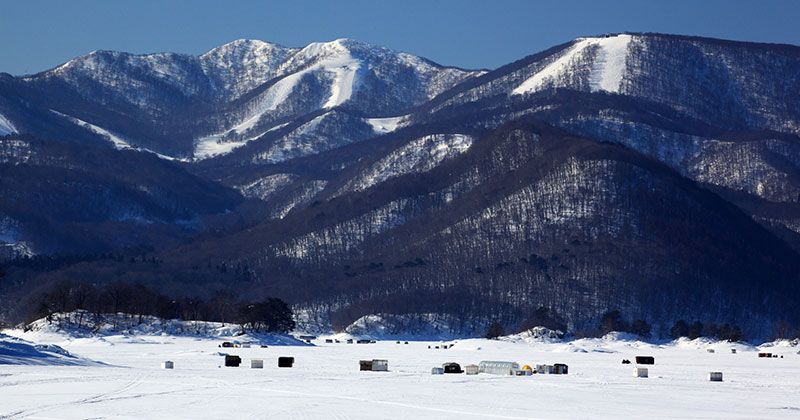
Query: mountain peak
[(243, 45)]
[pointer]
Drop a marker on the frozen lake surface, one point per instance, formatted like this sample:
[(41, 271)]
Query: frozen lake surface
[(325, 382)]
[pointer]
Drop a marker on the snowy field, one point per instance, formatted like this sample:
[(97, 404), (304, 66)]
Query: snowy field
[(326, 383)]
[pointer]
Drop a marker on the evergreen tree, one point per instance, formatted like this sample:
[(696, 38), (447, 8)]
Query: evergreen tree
[(495, 330), (679, 329), (612, 321)]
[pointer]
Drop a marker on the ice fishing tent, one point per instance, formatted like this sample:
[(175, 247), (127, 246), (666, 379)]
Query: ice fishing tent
[(640, 372), (256, 363), (437, 371), (285, 362), (498, 367), (560, 369), (167, 365), (452, 367), (380, 365), (645, 360), (715, 376), (232, 361), (471, 369), (375, 365)]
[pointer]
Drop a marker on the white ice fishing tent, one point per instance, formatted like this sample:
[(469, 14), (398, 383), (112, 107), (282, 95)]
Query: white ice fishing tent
[(380, 365), (471, 369), (167, 365), (498, 367)]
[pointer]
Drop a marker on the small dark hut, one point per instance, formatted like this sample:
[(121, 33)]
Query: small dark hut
[(365, 364), (285, 362), (232, 361), (560, 369), (645, 360), (452, 367)]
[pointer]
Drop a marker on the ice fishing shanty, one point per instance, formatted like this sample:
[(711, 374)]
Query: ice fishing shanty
[(498, 367), (452, 367), (374, 365), (471, 369), (560, 369)]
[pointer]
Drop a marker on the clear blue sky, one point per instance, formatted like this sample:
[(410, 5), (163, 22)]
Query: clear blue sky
[(36, 35)]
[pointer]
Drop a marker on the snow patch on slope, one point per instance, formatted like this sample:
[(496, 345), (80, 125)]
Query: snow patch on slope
[(262, 188), (423, 326), (607, 72), (244, 64), (6, 127), (337, 63), (324, 132), (535, 335), (15, 351), (609, 66), (344, 71), (118, 142), (103, 329), (420, 155), (386, 125), (216, 145)]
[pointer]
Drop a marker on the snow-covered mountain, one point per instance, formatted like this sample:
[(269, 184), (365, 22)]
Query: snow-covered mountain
[(722, 113), (734, 84), (650, 173), (196, 107)]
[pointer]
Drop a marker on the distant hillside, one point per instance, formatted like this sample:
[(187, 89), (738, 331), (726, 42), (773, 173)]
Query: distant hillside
[(654, 174)]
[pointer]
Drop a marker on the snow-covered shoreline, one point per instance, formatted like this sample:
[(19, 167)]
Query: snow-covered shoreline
[(326, 382)]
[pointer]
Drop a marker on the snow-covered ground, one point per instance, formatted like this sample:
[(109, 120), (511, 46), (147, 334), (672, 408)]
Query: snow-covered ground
[(326, 382), (607, 69), (6, 127)]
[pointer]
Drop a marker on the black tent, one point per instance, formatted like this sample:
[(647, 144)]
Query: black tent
[(365, 365), (232, 361), (452, 367)]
